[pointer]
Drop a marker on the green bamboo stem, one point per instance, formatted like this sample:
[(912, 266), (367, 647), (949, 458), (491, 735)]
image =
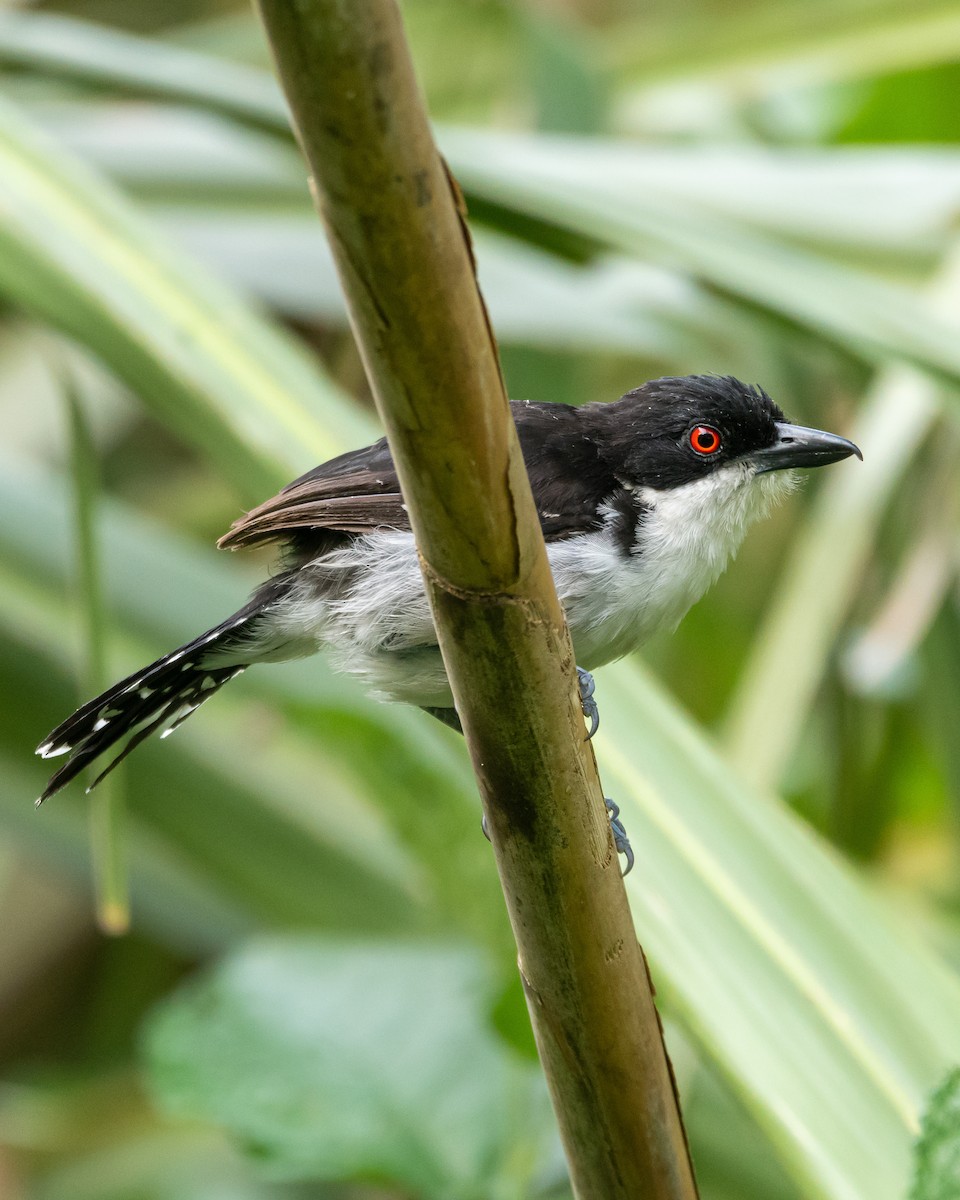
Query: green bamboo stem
[(111, 886), (395, 221)]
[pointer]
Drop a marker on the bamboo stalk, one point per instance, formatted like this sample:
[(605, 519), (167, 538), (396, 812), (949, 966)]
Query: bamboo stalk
[(396, 224)]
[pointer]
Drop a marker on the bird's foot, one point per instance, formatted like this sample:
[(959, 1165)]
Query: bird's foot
[(587, 703), (450, 717), (620, 839)]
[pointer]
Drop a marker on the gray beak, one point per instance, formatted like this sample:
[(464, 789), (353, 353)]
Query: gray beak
[(797, 446)]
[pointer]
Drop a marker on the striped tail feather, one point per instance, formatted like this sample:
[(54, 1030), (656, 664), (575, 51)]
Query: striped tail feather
[(164, 693)]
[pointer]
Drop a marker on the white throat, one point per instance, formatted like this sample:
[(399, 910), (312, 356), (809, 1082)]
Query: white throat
[(615, 602)]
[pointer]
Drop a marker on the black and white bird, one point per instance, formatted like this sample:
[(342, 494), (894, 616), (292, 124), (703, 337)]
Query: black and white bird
[(642, 502)]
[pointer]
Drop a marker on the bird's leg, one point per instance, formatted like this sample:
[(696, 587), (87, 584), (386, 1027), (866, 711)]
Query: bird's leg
[(589, 706), (620, 839), (450, 718), (587, 703), (446, 716)]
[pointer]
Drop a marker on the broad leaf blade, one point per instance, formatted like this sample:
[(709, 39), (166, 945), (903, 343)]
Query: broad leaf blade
[(74, 254), (938, 1147), (100, 56), (825, 1016), (768, 48), (352, 1061), (557, 180)]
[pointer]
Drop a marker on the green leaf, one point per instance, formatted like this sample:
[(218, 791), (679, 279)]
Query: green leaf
[(239, 204), (100, 56), (817, 585), (579, 188), (938, 1146), (356, 1062), (770, 47), (74, 254), (605, 193), (870, 198), (159, 1164), (107, 809), (825, 1015)]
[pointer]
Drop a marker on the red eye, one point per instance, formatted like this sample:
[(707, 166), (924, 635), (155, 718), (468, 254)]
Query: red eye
[(705, 439)]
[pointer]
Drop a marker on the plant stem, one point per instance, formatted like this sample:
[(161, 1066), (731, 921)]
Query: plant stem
[(106, 804), (396, 223)]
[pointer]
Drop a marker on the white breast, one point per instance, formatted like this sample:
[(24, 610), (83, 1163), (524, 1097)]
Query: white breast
[(615, 602)]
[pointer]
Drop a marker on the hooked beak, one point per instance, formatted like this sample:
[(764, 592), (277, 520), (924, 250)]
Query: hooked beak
[(797, 446)]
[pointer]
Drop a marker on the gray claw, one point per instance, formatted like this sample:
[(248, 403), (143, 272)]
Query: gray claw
[(587, 703), (620, 839)]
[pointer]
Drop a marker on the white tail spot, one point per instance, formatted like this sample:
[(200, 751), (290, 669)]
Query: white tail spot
[(182, 715), (48, 750)]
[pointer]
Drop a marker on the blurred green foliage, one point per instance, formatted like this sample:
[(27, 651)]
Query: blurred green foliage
[(765, 188), (938, 1147)]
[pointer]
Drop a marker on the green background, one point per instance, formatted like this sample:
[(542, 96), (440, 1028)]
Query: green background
[(318, 996)]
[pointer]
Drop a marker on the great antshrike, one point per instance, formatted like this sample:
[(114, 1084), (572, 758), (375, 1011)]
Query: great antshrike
[(642, 502)]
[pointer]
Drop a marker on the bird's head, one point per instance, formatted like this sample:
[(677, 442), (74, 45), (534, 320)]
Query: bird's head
[(676, 431)]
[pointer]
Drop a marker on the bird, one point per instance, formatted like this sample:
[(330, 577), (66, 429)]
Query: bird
[(642, 502)]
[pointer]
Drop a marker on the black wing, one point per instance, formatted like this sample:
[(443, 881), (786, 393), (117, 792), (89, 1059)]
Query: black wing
[(359, 492)]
